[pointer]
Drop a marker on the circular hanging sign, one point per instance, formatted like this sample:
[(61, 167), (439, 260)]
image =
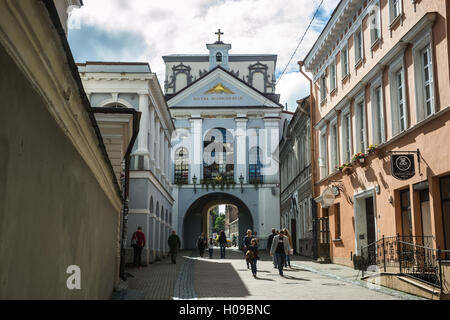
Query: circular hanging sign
[(402, 166)]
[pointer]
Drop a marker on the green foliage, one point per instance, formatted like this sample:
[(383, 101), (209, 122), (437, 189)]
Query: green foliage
[(220, 223)]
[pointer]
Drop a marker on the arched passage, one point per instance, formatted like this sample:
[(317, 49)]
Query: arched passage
[(195, 219)]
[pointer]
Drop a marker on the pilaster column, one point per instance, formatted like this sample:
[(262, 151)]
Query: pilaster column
[(167, 160), (158, 145), (143, 129), (161, 153), (241, 149), (152, 134), (196, 151), (269, 149)]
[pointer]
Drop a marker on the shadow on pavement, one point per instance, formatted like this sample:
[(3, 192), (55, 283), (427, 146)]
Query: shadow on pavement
[(212, 279)]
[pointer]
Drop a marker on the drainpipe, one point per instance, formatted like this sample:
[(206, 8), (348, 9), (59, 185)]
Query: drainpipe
[(312, 157)]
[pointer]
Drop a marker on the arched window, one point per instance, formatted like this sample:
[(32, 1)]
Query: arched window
[(170, 217), (157, 209), (151, 204), (167, 216), (218, 155), (162, 213), (255, 165), (219, 57), (181, 166)]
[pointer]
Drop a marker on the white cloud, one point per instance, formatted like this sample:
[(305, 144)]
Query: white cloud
[(292, 87), (179, 26)]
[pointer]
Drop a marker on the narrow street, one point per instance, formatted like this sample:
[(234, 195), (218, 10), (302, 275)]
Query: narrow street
[(221, 279)]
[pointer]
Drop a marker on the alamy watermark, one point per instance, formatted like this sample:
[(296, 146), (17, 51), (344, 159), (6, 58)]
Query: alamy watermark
[(74, 280)]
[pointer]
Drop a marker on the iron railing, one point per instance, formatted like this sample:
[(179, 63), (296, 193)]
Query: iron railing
[(413, 256)]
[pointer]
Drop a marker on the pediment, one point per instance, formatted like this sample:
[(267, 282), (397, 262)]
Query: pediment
[(220, 89)]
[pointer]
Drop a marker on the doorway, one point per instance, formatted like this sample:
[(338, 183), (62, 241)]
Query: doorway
[(294, 234), (365, 220)]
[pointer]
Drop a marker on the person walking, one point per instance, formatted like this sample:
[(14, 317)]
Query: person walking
[(174, 244), (138, 244), (246, 243), (201, 244), (211, 247), (253, 248), (291, 250), (222, 243), (269, 245), (280, 248)]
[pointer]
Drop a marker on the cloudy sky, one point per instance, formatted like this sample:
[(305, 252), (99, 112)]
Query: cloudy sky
[(145, 30)]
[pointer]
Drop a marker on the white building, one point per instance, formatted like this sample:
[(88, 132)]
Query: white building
[(133, 85)]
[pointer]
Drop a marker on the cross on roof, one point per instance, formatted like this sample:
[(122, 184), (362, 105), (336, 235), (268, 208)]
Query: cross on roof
[(219, 34)]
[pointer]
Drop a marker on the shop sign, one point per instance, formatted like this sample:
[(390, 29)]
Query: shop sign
[(402, 166)]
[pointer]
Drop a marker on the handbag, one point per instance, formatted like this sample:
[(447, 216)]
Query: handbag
[(133, 242), (291, 252)]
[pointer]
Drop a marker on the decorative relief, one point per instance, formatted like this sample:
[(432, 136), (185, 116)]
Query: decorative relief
[(176, 70), (219, 89), (261, 68)]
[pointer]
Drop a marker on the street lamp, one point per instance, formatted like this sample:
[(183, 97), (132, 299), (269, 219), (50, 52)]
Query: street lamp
[(194, 180), (241, 180)]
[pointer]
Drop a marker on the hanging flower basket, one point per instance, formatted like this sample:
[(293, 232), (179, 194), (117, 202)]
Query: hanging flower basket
[(359, 158)]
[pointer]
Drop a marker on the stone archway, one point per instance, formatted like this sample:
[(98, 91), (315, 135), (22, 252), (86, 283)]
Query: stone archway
[(195, 219)]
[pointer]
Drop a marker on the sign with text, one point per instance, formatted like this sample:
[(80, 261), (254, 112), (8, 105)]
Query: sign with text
[(402, 166)]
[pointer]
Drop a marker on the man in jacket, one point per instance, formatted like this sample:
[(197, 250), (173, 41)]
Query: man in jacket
[(174, 244), (269, 245), (280, 248), (222, 243), (138, 243)]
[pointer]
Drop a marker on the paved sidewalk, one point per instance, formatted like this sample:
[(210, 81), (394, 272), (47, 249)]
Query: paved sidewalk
[(194, 277)]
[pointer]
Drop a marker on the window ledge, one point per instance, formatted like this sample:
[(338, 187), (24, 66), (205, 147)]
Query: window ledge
[(375, 44), (333, 91), (395, 22), (324, 101), (338, 240), (359, 63), (346, 77)]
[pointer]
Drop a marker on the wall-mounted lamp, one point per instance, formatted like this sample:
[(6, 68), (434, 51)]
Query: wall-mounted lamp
[(241, 180), (194, 180)]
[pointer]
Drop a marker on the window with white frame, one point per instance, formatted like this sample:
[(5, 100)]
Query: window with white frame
[(375, 22), (346, 137), (323, 160), (398, 96), (424, 77), (395, 9), (427, 84), (323, 88), (400, 99), (333, 75), (334, 145), (344, 61), (359, 49), (360, 125), (377, 113)]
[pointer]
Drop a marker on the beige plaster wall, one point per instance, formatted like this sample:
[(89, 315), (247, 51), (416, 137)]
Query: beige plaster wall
[(53, 212)]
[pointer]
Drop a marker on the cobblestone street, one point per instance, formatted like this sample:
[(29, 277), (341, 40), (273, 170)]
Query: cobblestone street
[(209, 279)]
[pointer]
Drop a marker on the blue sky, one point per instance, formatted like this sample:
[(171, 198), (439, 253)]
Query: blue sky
[(142, 30)]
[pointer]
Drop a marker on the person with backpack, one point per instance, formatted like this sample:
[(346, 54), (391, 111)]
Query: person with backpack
[(222, 243), (280, 248), (246, 243), (291, 246), (138, 244), (252, 255), (201, 244), (174, 244), (269, 245)]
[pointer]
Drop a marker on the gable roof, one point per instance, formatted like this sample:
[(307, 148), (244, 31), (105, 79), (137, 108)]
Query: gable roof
[(269, 97)]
